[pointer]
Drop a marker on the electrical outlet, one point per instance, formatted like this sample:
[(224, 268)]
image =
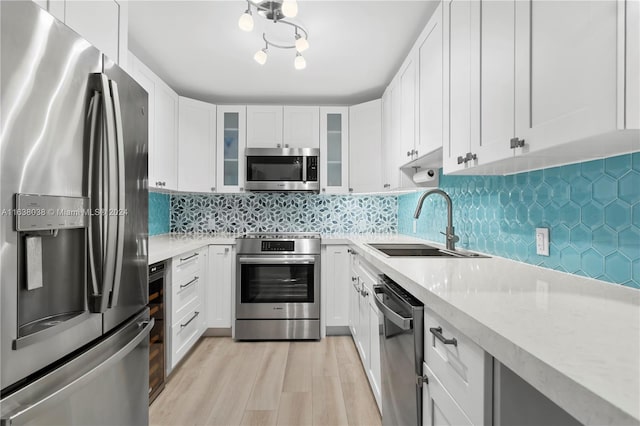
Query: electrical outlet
[(542, 241), (415, 226)]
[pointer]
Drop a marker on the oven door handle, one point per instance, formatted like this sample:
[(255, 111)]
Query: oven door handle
[(277, 260)]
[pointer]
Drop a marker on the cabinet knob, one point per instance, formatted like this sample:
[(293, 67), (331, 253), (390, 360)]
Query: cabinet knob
[(416, 152), (241, 189), (286, 145), (387, 185), (213, 188), (226, 249), (324, 189), (350, 189), (408, 153), (278, 146)]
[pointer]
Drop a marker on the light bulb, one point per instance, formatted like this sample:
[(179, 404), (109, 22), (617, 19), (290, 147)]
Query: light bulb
[(246, 21), (301, 44), (261, 56), (290, 8), (299, 62)]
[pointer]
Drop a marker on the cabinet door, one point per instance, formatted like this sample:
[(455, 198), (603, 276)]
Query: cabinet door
[(354, 300), (457, 20), (264, 126), (219, 285), (166, 136), (363, 327), (431, 86), (337, 279), (196, 146), (438, 407), (334, 150), (375, 326), (408, 90), (301, 127), (146, 79), (98, 22), (565, 72), (230, 145), (365, 147), (493, 90), (390, 152)]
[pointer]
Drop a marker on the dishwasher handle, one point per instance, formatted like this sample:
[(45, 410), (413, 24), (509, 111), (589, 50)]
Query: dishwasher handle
[(403, 322)]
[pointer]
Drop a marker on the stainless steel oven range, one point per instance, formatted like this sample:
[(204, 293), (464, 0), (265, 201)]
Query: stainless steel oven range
[(278, 286)]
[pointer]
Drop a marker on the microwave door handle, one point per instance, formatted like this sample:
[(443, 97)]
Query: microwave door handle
[(117, 214), (304, 168)]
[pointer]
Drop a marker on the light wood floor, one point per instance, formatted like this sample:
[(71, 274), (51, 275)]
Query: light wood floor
[(224, 382)]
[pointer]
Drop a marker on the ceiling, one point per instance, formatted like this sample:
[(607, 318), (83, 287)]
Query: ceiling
[(198, 49)]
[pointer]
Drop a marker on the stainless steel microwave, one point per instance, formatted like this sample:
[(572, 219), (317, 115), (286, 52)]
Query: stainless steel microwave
[(282, 169)]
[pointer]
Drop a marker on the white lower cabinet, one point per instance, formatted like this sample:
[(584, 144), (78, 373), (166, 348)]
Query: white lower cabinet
[(438, 407), (219, 286), (187, 321), (461, 368), (364, 322), (335, 285)]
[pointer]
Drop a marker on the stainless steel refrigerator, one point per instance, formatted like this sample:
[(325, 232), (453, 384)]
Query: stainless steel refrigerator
[(73, 235)]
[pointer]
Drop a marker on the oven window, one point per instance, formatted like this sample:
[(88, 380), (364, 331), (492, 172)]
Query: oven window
[(265, 169), (277, 283)]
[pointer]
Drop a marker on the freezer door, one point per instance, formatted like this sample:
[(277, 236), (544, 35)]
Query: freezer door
[(44, 86), (130, 292), (106, 385)]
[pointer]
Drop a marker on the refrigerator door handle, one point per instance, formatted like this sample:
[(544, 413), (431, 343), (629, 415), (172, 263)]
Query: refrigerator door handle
[(93, 122), (23, 414), (107, 181), (120, 211)]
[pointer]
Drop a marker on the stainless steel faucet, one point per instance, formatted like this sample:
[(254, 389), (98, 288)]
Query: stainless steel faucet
[(450, 235)]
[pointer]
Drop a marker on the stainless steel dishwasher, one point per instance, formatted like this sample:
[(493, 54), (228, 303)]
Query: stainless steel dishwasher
[(401, 354)]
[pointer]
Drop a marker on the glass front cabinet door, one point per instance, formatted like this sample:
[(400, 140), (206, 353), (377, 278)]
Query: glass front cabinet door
[(334, 150), (231, 142)]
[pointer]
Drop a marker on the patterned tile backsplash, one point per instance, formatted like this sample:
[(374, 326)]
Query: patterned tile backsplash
[(592, 211), (280, 212), (159, 205)]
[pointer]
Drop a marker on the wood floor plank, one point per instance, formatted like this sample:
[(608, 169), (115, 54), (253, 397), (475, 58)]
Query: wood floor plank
[(268, 386), (324, 358), (259, 418), (296, 409), (298, 377), (328, 402), (228, 408), (363, 410)]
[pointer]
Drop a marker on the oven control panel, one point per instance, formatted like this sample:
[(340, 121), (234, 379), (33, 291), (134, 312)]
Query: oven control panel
[(278, 246)]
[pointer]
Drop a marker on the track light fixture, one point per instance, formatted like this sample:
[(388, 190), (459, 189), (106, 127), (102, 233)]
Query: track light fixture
[(276, 11)]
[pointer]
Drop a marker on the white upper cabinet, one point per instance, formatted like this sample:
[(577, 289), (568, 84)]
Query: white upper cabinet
[(457, 83), (430, 86), (365, 147), (230, 146), (163, 126), (334, 150), (390, 152), (527, 90), (301, 127), (196, 146), (264, 126), (165, 155), (408, 90)]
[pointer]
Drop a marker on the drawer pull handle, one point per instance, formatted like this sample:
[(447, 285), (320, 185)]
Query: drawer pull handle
[(195, 279), (183, 259), (437, 331), (195, 314)]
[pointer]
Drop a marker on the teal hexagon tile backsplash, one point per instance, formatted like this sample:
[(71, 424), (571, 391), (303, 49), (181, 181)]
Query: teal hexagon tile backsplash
[(592, 210), (159, 206)]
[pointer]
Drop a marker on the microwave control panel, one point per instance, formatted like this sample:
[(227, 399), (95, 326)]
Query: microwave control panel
[(312, 169)]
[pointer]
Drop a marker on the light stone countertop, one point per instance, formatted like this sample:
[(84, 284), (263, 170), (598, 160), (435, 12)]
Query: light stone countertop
[(575, 339)]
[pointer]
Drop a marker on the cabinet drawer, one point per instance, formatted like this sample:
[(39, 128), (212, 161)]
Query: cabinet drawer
[(438, 407), (463, 368), (183, 295), (186, 266), (185, 333)]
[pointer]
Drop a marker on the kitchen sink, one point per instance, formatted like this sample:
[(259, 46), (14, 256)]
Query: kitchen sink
[(419, 250)]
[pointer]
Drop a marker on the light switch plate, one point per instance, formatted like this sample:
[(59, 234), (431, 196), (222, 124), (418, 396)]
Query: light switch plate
[(542, 241)]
